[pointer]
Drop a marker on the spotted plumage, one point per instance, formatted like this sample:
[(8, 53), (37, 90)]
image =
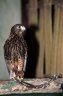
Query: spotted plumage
[(15, 52)]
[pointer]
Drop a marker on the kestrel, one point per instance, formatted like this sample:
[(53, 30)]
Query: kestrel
[(15, 52)]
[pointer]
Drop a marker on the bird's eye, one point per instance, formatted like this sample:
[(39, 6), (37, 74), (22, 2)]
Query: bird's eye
[(18, 27)]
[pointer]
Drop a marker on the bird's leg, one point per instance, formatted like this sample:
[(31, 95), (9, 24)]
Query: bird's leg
[(20, 79), (25, 83), (25, 60), (12, 74)]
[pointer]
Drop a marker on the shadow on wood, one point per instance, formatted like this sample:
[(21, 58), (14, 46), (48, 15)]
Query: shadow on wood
[(33, 51)]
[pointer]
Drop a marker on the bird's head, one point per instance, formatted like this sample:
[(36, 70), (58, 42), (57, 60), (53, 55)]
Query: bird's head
[(17, 29)]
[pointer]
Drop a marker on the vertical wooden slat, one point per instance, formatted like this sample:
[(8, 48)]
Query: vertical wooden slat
[(55, 40), (33, 19), (60, 44), (32, 13), (52, 47), (47, 2), (39, 71), (48, 36), (58, 64), (45, 25)]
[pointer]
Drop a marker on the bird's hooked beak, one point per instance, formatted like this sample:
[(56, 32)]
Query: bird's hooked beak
[(22, 28)]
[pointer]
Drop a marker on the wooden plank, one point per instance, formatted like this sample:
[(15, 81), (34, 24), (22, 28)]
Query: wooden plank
[(45, 25), (49, 2), (60, 65), (48, 36), (39, 71), (59, 43), (32, 12), (55, 40), (62, 44)]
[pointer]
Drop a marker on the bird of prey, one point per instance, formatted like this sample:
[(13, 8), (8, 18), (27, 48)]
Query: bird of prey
[(15, 52)]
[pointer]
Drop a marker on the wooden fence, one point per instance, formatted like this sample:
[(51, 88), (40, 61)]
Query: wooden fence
[(50, 37)]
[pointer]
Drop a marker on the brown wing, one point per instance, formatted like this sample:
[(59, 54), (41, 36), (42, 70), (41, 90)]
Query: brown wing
[(14, 53), (14, 48)]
